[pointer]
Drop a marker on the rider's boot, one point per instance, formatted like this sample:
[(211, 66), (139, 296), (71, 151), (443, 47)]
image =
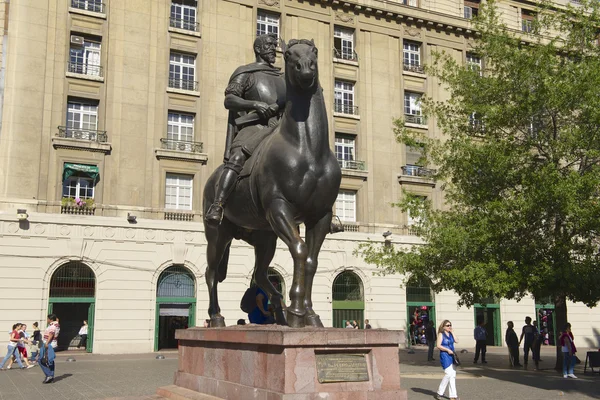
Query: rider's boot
[(214, 215)]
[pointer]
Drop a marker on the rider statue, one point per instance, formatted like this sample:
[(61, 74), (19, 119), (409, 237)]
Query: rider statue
[(255, 98)]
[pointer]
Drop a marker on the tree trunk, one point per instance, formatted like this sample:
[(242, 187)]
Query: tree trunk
[(560, 312)]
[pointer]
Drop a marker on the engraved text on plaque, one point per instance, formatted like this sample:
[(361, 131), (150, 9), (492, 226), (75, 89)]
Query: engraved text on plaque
[(342, 368)]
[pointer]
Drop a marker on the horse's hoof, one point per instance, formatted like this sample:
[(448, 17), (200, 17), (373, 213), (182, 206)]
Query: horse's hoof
[(295, 319), (314, 320), (217, 322)]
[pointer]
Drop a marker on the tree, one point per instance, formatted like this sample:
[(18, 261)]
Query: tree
[(520, 162)]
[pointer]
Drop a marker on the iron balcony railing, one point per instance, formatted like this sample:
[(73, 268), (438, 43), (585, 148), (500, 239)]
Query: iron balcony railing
[(345, 108), (345, 55), (85, 69), (415, 119), (183, 84), (77, 210), (83, 134), (179, 216), (353, 164), (89, 5), (184, 24), (416, 170), (414, 68), (181, 145)]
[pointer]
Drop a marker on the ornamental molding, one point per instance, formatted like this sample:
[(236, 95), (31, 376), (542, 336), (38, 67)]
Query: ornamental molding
[(412, 32), (347, 18), (270, 3)]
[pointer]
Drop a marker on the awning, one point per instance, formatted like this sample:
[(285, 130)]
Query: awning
[(90, 171)]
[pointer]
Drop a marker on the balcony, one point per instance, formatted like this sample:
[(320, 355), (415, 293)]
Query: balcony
[(417, 175), (415, 119), (187, 216), (76, 210), (345, 109), (81, 139), (184, 24), (183, 84), (94, 72), (345, 55), (353, 164), (416, 68), (181, 150), (94, 6)]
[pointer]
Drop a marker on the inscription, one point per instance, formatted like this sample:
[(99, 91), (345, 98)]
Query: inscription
[(342, 368)]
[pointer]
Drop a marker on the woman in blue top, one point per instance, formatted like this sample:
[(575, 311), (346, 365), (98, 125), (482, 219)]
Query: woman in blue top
[(260, 313), (445, 343)]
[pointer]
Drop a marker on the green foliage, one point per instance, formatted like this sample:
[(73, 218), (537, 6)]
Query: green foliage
[(520, 162)]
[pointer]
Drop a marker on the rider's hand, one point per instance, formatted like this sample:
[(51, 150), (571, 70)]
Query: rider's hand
[(263, 110)]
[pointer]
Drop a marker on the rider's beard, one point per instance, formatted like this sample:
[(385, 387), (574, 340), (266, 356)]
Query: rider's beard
[(268, 56)]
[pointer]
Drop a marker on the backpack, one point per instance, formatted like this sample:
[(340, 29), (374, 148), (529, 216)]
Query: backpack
[(248, 303)]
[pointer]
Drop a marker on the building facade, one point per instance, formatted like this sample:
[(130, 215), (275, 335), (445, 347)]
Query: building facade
[(112, 119)]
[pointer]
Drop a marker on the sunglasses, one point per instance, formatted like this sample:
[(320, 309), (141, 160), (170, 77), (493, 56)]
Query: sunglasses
[(448, 325)]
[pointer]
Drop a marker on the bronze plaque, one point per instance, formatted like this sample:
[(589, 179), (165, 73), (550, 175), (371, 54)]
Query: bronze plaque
[(342, 368)]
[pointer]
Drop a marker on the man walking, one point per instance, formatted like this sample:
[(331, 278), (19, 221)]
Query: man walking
[(528, 333), (480, 335), (431, 336)]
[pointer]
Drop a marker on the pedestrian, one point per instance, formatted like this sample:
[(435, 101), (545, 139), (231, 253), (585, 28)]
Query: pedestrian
[(528, 333), (83, 332), (260, 313), (568, 351), (367, 325), (35, 343), (21, 346), (349, 324), (445, 343), (50, 342), (512, 342), (241, 322), (480, 335), (537, 345), (12, 348), (355, 325), (430, 335), (206, 323)]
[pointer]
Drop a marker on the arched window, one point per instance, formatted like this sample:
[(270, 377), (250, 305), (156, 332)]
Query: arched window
[(419, 290), (420, 308), (73, 279), (176, 281), (347, 286), (277, 280)]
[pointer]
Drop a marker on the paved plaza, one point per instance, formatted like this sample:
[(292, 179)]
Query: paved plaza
[(138, 376)]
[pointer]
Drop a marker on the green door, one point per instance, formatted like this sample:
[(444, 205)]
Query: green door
[(492, 324), (348, 300), (90, 339)]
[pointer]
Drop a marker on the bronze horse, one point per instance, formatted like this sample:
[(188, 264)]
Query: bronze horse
[(295, 179)]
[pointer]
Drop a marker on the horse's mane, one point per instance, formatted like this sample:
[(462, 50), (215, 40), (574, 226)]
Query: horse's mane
[(294, 42)]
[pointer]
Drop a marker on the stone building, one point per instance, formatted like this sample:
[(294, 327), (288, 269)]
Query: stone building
[(112, 119)]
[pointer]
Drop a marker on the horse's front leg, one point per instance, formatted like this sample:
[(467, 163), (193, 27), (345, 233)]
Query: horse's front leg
[(280, 217), (216, 257), (315, 235)]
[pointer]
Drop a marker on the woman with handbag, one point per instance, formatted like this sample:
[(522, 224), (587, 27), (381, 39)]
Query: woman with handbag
[(47, 348), (445, 343)]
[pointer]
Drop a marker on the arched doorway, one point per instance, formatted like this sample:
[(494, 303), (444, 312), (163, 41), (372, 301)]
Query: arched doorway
[(420, 309), (348, 299), (277, 281), (72, 299), (488, 311), (175, 305)]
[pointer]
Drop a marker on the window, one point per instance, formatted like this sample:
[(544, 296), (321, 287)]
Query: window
[(85, 58), (527, 18), (343, 43), (78, 187), (474, 62), (412, 3), (471, 8), (345, 150), (267, 23), (182, 71), (88, 5), (179, 192), (344, 98), (180, 127), (82, 115), (412, 216), (412, 108), (183, 14), (345, 205), (412, 56)]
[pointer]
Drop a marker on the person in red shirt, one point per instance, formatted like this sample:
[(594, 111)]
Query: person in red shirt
[(12, 348), (568, 350)]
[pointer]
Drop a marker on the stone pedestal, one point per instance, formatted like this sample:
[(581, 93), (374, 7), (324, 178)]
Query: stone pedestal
[(281, 363)]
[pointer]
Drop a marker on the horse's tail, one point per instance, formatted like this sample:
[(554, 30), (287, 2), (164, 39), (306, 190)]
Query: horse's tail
[(222, 271)]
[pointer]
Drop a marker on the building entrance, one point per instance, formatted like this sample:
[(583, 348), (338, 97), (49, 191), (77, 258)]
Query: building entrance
[(491, 318), (175, 305), (72, 299), (348, 300)]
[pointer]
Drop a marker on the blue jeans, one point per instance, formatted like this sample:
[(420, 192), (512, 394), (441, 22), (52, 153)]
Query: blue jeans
[(49, 370), (568, 363), (12, 351)]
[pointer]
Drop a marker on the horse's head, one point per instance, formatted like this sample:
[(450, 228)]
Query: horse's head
[(301, 69)]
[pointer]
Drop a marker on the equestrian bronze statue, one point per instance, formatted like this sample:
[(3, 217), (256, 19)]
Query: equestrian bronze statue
[(284, 174)]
